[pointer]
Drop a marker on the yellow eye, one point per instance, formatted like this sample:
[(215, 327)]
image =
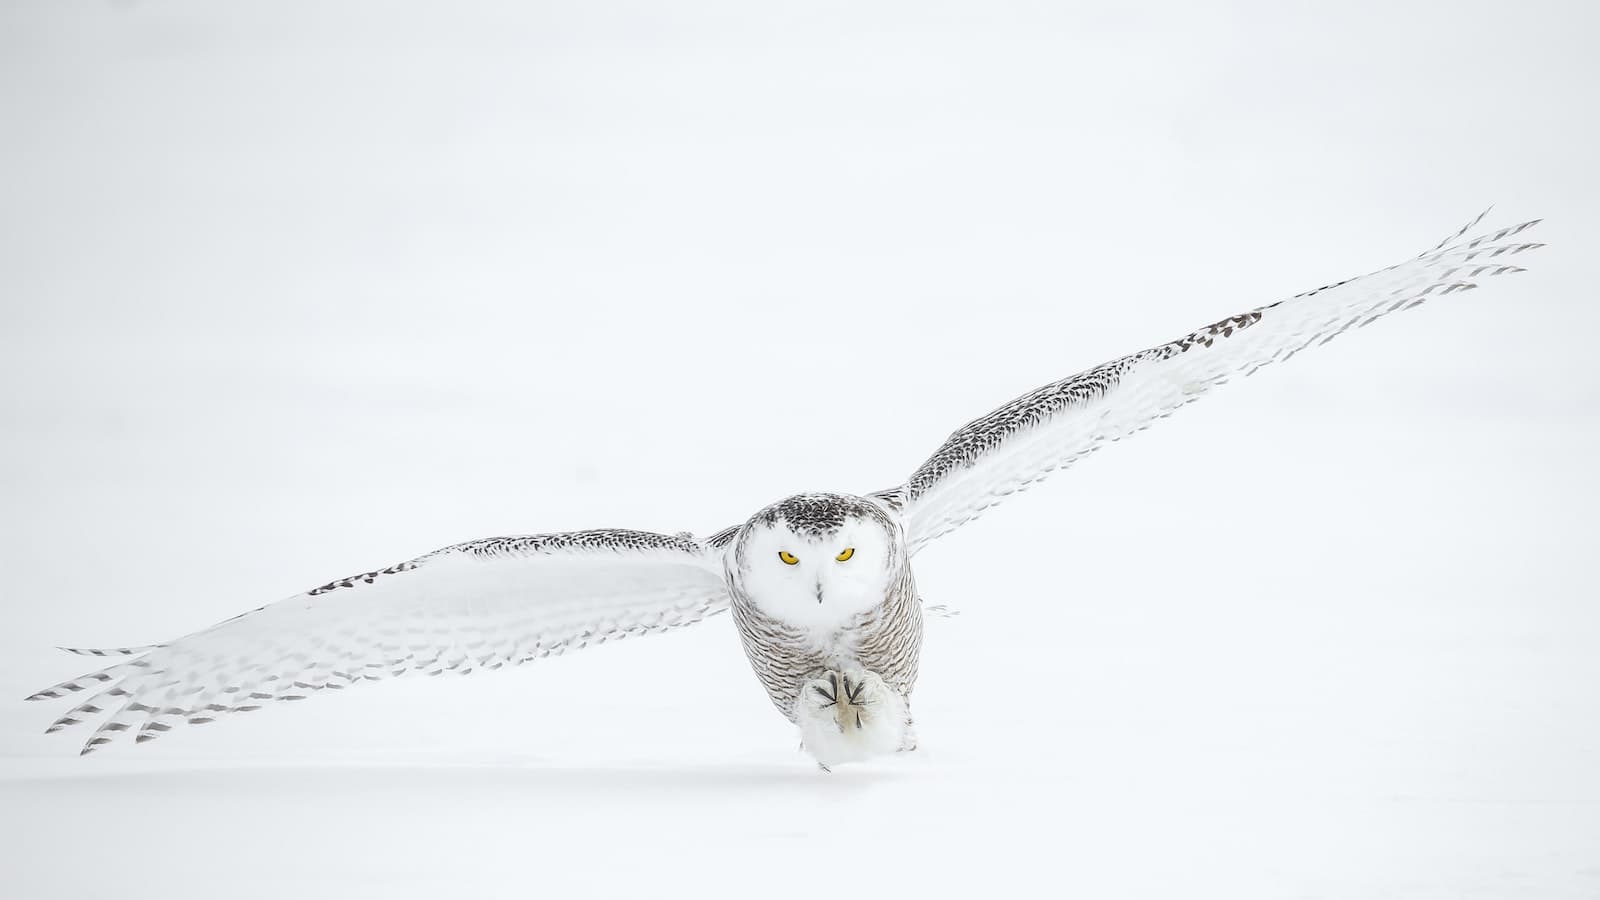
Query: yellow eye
[(848, 552), (788, 558)]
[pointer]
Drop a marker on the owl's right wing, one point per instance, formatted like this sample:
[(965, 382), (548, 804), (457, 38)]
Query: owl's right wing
[(989, 459), (478, 605)]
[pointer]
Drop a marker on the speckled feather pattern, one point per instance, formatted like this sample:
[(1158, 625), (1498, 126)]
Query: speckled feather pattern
[(886, 639), (1047, 429), (609, 540), (405, 619), (504, 601)]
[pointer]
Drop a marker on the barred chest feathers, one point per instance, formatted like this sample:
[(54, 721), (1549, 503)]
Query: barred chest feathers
[(820, 583)]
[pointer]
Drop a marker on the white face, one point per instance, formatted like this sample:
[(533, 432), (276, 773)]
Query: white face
[(801, 579)]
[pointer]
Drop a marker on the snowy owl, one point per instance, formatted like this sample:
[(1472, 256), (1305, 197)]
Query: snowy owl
[(820, 584)]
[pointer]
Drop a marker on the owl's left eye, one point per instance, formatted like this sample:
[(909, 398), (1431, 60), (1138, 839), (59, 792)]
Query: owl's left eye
[(788, 558), (848, 552)]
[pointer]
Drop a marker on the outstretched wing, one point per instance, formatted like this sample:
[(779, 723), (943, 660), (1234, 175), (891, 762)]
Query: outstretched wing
[(1021, 443), (479, 605)]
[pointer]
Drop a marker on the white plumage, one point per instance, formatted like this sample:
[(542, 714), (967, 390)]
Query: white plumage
[(473, 606), (1057, 425), (820, 585)]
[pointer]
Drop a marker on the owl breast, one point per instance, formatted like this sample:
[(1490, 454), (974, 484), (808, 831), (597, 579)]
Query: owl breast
[(885, 639)]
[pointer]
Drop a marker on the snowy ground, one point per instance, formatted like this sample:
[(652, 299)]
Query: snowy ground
[(291, 292)]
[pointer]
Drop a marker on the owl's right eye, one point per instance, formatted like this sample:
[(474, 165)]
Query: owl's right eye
[(788, 558)]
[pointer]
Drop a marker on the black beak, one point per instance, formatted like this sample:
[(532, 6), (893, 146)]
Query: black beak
[(819, 591)]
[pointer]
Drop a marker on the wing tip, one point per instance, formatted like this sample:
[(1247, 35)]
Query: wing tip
[(110, 651), (1456, 235)]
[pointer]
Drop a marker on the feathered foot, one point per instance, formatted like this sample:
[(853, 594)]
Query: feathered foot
[(850, 716), (848, 698)]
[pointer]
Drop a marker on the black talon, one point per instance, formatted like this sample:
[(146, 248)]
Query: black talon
[(858, 720), (825, 695), (853, 692)]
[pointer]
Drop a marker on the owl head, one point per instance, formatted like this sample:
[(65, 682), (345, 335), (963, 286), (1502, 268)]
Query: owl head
[(818, 560)]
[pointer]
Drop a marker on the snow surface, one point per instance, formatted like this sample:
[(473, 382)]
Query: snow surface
[(291, 291)]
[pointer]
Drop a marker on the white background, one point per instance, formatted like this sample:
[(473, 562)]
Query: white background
[(294, 290)]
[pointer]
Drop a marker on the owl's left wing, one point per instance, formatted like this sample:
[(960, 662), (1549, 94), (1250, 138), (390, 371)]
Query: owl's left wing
[(473, 606), (1022, 442)]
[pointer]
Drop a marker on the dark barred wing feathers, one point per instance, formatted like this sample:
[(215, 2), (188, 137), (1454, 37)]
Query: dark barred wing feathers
[(479, 605), (1024, 441)]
